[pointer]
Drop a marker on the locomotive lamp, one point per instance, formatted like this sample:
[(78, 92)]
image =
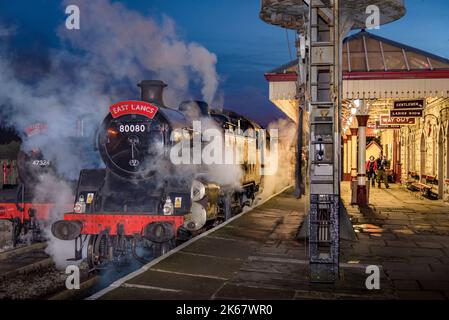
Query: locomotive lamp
[(168, 207), (80, 205)]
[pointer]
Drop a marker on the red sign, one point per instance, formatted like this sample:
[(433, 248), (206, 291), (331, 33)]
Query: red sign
[(386, 127), (133, 107), (36, 128), (387, 121)]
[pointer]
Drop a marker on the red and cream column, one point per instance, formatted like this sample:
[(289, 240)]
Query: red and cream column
[(349, 157), (361, 185), (345, 158), (353, 167)]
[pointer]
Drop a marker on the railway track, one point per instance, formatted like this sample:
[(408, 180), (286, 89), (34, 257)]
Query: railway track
[(23, 260), (29, 273)]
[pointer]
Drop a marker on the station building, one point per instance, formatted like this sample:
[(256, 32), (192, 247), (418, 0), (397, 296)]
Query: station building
[(404, 93)]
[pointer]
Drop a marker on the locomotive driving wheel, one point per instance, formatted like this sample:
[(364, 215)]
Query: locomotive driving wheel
[(160, 249), (99, 250), (145, 250)]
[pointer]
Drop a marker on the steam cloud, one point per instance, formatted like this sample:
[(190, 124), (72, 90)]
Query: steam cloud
[(98, 65), (101, 64), (284, 176)]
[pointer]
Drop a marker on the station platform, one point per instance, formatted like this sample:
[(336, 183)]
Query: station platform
[(256, 256)]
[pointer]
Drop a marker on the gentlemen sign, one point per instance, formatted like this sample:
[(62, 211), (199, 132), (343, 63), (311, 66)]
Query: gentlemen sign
[(406, 113), (387, 121), (410, 104)]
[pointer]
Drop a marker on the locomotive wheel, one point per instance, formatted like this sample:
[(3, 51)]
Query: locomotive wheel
[(91, 260), (139, 243), (156, 249), (16, 231), (160, 249), (228, 206), (99, 250)]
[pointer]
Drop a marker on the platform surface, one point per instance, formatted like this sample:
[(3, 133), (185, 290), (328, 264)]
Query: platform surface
[(257, 256)]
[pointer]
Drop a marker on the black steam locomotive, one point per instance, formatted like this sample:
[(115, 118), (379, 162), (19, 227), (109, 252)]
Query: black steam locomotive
[(26, 205), (142, 202)]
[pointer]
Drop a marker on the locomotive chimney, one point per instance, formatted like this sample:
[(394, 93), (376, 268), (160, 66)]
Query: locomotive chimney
[(152, 91)]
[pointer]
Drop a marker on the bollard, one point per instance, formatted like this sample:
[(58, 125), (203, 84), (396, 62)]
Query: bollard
[(354, 184), (368, 190)]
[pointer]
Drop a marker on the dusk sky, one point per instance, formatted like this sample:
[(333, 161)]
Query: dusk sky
[(245, 46)]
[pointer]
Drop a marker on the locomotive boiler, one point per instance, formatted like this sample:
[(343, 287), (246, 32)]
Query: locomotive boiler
[(142, 202)]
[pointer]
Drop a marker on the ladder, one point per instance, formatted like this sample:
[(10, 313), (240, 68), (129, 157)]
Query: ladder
[(323, 95)]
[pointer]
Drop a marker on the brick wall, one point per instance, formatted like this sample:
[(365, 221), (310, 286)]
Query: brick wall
[(424, 140)]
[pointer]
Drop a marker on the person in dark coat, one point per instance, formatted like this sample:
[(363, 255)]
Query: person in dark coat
[(371, 168), (382, 166)]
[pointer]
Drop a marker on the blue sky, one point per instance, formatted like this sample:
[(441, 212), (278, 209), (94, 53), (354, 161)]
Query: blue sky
[(245, 46)]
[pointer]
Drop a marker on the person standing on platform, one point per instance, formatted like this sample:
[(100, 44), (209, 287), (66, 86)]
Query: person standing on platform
[(382, 166), (371, 168)]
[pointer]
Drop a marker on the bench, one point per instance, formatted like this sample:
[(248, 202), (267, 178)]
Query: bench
[(425, 189), (411, 178), (431, 180)]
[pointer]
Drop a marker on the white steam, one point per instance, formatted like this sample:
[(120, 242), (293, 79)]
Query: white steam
[(62, 192), (284, 175), (124, 44), (99, 64)]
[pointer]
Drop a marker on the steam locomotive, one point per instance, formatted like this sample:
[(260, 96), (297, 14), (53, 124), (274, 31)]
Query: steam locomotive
[(26, 206), (142, 203)]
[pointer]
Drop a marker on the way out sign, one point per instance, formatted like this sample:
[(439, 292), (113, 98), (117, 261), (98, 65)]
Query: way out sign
[(388, 121)]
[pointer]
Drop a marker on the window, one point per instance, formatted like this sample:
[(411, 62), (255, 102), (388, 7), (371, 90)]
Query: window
[(436, 64), (375, 60), (417, 61), (394, 58), (357, 52)]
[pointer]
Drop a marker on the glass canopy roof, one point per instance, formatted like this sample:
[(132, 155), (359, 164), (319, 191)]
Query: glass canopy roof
[(365, 52)]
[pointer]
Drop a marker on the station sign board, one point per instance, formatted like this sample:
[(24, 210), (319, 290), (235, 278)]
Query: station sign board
[(410, 104), (386, 120), (380, 126), (415, 113)]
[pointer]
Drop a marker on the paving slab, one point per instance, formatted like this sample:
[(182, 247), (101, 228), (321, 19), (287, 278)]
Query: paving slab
[(257, 256)]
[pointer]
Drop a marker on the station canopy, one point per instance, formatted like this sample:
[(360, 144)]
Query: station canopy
[(373, 68)]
